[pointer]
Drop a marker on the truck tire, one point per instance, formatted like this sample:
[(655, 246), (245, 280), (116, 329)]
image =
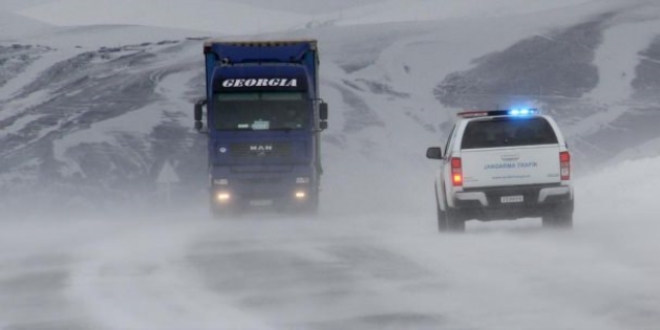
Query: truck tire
[(216, 213), (221, 213), (455, 221), (311, 207), (298, 208)]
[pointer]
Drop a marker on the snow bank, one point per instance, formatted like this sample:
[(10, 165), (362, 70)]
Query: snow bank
[(621, 195)]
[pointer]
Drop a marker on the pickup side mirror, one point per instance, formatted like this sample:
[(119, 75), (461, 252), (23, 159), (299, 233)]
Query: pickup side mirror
[(434, 153), (323, 111)]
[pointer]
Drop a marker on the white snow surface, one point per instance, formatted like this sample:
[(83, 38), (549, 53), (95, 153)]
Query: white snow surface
[(373, 258), (345, 270)]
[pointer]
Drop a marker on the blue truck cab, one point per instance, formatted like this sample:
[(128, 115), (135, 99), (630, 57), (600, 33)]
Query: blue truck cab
[(263, 118)]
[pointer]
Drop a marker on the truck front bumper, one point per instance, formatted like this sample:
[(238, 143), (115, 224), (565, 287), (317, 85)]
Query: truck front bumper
[(276, 190), (246, 197)]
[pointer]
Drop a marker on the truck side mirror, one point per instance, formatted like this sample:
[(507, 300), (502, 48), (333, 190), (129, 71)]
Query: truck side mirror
[(199, 109), (199, 126), (323, 125), (199, 114), (434, 153), (323, 111)]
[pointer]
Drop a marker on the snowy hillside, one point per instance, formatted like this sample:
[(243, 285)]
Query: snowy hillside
[(96, 99)]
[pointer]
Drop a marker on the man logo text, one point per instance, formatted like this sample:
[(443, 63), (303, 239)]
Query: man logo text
[(261, 148)]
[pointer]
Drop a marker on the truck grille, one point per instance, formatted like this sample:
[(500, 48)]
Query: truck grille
[(258, 181), (257, 150)]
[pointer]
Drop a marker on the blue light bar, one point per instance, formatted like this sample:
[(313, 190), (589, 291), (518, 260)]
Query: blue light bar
[(523, 112)]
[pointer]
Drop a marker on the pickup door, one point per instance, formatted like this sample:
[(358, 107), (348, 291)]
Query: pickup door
[(505, 151)]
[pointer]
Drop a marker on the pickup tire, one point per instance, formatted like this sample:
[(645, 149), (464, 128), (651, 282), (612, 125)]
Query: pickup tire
[(451, 220), (455, 220), (440, 214), (442, 220), (561, 218), (559, 221)]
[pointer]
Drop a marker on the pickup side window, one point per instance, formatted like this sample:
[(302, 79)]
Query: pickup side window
[(508, 132)]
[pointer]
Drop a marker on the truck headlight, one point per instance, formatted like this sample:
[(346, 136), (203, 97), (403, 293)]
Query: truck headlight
[(300, 194), (302, 180), (223, 197)]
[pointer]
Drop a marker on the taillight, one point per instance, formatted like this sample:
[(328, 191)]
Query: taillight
[(565, 165), (457, 172)]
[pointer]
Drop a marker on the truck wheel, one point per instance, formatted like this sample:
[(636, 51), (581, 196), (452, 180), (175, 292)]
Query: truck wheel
[(220, 213), (455, 221), (308, 208), (311, 208), (216, 213)]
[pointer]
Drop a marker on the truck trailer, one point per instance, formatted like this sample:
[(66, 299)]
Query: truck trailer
[(263, 117)]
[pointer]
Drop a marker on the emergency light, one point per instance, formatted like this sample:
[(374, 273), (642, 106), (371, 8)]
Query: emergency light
[(517, 112), (523, 112)]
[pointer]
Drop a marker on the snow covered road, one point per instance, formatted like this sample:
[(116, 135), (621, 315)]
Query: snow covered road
[(341, 272)]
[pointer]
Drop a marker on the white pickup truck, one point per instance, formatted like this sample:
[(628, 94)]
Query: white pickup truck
[(503, 165)]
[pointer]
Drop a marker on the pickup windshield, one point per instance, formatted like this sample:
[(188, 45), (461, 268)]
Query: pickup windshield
[(251, 111), (508, 132)]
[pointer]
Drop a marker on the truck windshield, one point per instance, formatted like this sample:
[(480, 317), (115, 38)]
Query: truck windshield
[(252, 111), (508, 132)]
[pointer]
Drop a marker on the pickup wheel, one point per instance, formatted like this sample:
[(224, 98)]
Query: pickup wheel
[(455, 221), (559, 220), (442, 219), (441, 215), (561, 217)]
